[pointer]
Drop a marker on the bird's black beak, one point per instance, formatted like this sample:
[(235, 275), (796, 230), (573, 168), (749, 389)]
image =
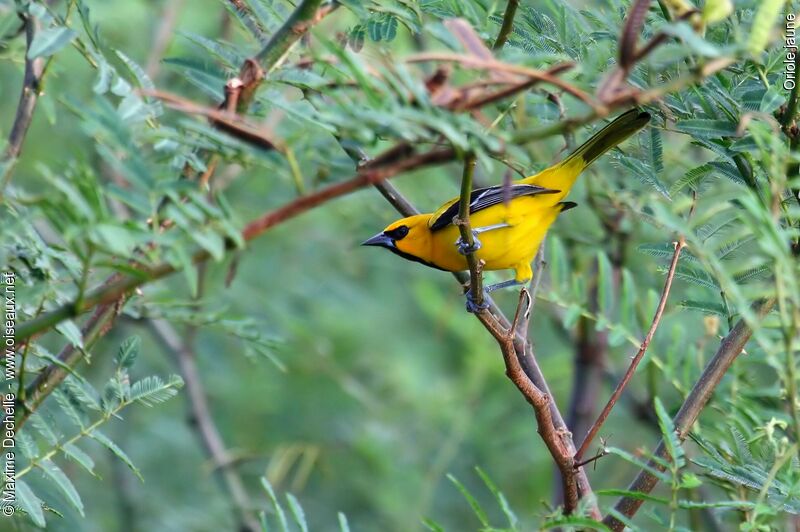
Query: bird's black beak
[(381, 239)]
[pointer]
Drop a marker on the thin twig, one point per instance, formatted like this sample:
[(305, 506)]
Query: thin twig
[(203, 421), (730, 348), (29, 96), (494, 65), (508, 24), (464, 228), (679, 245)]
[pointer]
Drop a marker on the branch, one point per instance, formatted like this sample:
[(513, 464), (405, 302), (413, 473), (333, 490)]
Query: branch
[(552, 436), (47, 381), (679, 245), (29, 96), (508, 24), (493, 65), (475, 277), (203, 422), (730, 348), (298, 23)]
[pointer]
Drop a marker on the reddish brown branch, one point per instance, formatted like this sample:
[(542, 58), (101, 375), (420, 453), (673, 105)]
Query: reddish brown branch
[(553, 437), (29, 96), (679, 245), (492, 65)]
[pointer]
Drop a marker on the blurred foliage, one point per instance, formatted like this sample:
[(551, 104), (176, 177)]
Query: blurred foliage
[(365, 389)]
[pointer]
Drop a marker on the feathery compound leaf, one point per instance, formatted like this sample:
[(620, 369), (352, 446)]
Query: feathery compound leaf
[(275, 504), (695, 276), (706, 307), (344, 526), (106, 442), (57, 475), (709, 129), (128, 351), (691, 179), (513, 521), (297, 512), (72, 451), (30, 503), (473, 502), (669, 435), (152, 390), (48, 42)]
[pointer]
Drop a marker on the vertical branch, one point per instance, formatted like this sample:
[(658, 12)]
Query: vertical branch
[(289, 33), (508, 24), (679, 245), (29, 96), (730, 348), (475, 280), (203, 422)]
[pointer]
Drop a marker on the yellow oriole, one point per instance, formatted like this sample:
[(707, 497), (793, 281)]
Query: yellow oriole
[(511, 231)]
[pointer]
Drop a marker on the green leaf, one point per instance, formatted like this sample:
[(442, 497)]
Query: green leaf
[(513, 521), (344, 526), (705, 128), (605, 288), (30, 503), (473, 502), (106, 442), (128, 351), (432, 525), (275, 504), (71, 332), (668, 434), (706, 307), (65, 485), (692, 178), (771, 101), (687, 34), (48, 42), (72, 451), (152, 390), (297, 512), (763, 23)]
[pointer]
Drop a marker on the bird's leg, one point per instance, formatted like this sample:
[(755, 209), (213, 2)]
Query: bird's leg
[(504, 284), (465, 248), (472, 305)]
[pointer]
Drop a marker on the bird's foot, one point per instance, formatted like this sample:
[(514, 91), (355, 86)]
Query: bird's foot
[(464, 248), (504, 284), (473, 306)]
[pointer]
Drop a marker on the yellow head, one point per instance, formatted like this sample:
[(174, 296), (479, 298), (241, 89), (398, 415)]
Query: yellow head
[(409, 238)]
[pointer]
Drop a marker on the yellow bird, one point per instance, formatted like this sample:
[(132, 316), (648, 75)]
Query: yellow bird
[(511, 220)]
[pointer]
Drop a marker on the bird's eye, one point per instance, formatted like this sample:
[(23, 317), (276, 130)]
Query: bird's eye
[(398, 233)]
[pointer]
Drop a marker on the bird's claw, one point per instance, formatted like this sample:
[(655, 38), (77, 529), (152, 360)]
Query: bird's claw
[(464, 248), (473, 306)]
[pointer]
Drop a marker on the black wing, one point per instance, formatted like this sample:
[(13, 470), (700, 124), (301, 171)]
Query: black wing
[(483, 198)]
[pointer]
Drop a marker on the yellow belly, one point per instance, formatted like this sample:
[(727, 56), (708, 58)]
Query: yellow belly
[(506, 248)]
